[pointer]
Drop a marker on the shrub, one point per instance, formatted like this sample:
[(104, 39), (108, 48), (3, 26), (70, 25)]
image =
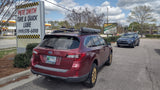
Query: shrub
[(152, 36), (20, 61), (23, 60), (29, 49), (111, 39)]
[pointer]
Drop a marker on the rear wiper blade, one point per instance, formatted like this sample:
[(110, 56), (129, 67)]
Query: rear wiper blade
[(49, 46)]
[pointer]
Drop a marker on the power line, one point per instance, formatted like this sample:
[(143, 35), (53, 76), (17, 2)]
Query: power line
[(59, 6)]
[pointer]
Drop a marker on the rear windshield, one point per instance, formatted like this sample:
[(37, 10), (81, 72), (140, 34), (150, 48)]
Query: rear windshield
[(60, 42), (127, 36)]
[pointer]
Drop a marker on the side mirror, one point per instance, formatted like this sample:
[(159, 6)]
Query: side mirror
[(109, 44)]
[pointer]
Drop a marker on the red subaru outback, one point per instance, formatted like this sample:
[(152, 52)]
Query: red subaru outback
[(73, 56)]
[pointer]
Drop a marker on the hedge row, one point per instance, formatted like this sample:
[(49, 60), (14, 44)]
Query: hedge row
[(152, 36), (111, 39), (23, 60)]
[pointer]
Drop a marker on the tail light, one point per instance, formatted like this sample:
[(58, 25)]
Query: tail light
[(35, 57), (72, 56), (77, 58), (35, 52)]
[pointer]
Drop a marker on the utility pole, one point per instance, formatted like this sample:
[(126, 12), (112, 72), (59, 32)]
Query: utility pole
[(107, 18), (132, 28), (107, 15)]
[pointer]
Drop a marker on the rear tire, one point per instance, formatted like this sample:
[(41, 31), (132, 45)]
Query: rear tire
[(118, 45), (138, 44), (92, 77)]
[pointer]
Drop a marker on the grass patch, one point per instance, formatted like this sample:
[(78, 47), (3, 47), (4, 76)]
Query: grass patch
[(7, 51), (152, 36)]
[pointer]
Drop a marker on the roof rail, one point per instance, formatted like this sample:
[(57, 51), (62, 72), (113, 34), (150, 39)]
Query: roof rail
[(85, 30), (82, 31)]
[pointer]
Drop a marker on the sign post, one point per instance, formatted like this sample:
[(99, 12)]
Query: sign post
[(30, 24)]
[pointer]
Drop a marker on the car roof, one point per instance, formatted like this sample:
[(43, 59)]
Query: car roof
[(70, 34), (131, 33), (65, 34), (73, 32)]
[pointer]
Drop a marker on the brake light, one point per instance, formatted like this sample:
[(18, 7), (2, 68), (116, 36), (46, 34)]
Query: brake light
[(72, 56), (35, 51), (77, 57), (35, 57)]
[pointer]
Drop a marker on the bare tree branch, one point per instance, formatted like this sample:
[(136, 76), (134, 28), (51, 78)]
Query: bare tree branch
[(85, 18), (8, 10)]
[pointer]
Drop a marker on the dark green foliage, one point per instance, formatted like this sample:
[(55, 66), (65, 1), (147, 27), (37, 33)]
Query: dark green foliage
[(152, 36), (111, 39), (20, 61), (23, 60), (29, 49)]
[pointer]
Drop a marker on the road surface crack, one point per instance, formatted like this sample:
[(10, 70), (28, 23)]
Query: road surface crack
[(150, 77)]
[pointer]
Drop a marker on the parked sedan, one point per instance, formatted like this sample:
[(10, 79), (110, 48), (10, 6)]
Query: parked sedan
[(128, 39)]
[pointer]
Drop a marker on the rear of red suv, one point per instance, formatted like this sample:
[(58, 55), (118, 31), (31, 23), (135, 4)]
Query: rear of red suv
[(66, 56), (59, 56)]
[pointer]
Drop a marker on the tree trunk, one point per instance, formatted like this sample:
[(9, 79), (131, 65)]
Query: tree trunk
[(141, 31), (141, 35)]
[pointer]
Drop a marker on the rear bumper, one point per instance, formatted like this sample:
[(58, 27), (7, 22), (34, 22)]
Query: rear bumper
[(69, 79)]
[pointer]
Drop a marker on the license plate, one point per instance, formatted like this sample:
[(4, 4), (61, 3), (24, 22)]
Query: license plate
[(51, 59)]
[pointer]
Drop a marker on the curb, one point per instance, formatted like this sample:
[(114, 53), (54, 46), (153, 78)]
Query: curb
[(14, 76), (19, 83)]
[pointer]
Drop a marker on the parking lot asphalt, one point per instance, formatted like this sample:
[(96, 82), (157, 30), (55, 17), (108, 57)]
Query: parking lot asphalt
[(132, 69)]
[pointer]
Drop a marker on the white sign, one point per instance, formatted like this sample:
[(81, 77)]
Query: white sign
[(29, 19), (110, 28), (30, 24), (111, 31)]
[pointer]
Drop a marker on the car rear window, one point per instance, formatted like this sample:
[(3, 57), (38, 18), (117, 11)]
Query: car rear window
[(60, 42), (127, 36)]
